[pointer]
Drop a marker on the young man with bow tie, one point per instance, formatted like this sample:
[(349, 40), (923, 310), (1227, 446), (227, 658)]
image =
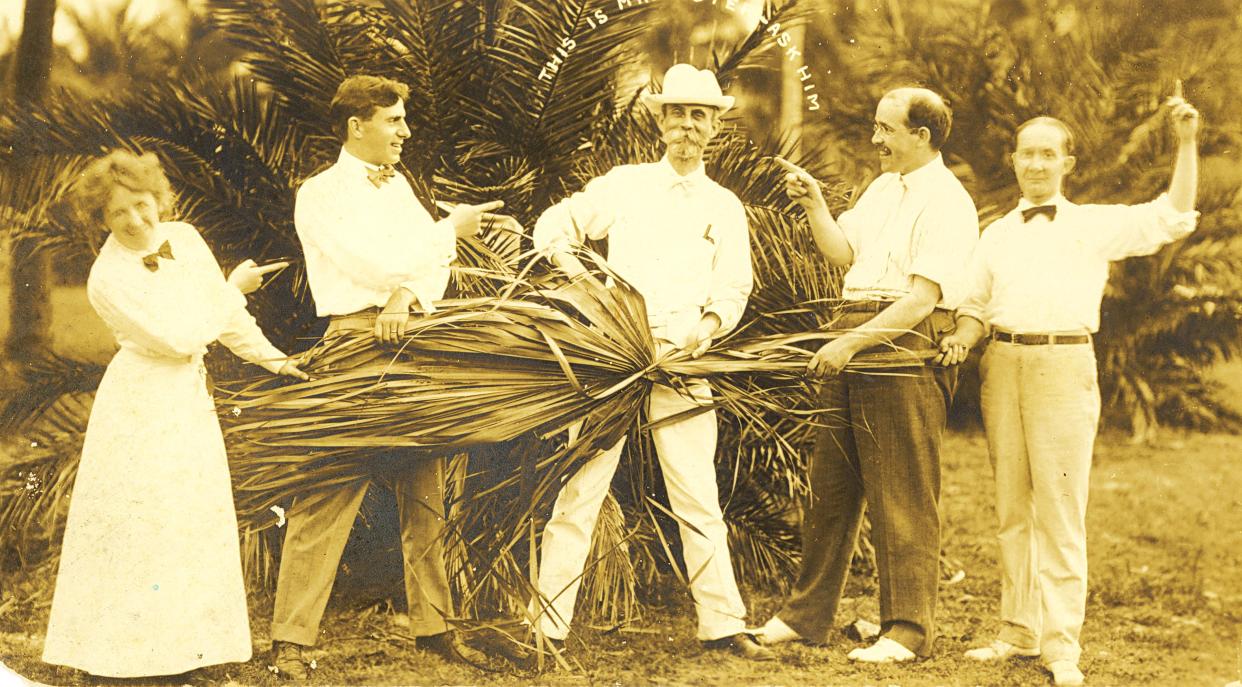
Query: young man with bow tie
[(372, 252), (682, 241), (1037, 279)]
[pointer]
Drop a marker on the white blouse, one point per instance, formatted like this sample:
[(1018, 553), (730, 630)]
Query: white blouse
[(177, 309)]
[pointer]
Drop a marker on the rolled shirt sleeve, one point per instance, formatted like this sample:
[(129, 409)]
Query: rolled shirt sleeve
[(585, 214), (977, 285), (945, 238)]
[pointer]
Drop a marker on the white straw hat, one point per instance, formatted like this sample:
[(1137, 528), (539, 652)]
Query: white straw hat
[(685, 85)]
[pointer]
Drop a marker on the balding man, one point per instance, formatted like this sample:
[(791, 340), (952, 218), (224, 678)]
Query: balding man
[(906, 243)]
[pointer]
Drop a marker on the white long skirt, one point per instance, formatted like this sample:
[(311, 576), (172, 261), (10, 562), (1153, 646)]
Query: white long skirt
[(150, 578)]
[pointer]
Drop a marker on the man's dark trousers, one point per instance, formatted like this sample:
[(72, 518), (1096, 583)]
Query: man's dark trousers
[(880, 446)]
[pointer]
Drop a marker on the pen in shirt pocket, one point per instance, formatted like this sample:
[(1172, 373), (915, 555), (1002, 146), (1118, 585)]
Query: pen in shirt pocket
[(707, 234)]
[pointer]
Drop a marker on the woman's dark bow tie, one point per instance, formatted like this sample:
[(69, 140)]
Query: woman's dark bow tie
[(152, 262)]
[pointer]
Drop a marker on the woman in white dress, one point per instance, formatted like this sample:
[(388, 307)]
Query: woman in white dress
[(150, 579)]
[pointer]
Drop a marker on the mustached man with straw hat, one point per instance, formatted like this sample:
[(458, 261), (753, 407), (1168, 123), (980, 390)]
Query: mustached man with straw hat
[(1036, 281), (682, 241)]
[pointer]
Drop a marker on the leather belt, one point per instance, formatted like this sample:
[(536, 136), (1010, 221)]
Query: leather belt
[(1040, 339)]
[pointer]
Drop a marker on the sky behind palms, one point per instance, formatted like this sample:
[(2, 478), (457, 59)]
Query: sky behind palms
[(65, 33)]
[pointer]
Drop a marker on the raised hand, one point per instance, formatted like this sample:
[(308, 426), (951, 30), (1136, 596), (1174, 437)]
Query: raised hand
[(1184, 116)]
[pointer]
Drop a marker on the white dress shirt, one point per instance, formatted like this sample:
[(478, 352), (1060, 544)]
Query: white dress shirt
[(681, 241), (362, 242), (1049, 275), (923, 223)]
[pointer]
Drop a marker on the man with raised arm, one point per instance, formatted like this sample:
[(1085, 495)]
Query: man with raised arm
[(372, 252), (906, 243), (1036, 282)]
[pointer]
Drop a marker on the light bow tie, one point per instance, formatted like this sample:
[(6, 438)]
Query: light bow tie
[(379, 177), (1049, 211), (151, 261)]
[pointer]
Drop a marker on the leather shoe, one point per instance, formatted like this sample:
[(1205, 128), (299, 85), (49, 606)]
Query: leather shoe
[(288, 662), (450, 646), (743, 645)]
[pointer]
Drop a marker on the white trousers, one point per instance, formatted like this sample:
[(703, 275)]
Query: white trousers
[(687, 451), (1041, 407)]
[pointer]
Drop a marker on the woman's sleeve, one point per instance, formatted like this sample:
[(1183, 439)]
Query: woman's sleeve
[(239, 331)]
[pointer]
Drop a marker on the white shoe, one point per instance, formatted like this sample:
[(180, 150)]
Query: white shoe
[(775, 631), (1065, 673), (884, 650), (999, 651)]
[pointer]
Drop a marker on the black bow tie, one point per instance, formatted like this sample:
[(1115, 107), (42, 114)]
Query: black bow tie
[(1049, 211), (151, 261)]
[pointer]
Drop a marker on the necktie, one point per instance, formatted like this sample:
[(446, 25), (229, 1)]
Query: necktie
[(378, 177), (151, 261), (683, 184), (1049, 211)]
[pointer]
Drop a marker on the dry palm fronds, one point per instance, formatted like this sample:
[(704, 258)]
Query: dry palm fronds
[(544, 355)]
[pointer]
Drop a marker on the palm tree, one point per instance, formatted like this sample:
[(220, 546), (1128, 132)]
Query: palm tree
[(520, 101), (28, 271)]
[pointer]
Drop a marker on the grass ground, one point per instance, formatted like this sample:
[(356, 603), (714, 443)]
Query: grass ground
[(1165, 528)]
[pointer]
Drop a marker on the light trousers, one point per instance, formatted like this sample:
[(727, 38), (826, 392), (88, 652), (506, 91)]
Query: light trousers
[(319, 525), (1041, 407), (687, 451)]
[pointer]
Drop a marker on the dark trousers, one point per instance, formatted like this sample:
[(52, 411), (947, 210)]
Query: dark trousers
[(880, 446)]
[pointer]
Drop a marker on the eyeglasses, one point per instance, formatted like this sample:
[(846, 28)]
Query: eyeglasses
[(886, 130)]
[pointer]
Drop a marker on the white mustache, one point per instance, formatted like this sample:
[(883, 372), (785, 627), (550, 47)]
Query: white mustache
[(689, 137)]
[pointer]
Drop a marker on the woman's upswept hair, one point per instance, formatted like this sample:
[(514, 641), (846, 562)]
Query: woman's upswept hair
[(138, 173)]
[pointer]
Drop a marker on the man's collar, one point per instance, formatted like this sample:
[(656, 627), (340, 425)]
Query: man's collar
[(351, 161), (924, 174), (696, 175), (1058, 200)]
